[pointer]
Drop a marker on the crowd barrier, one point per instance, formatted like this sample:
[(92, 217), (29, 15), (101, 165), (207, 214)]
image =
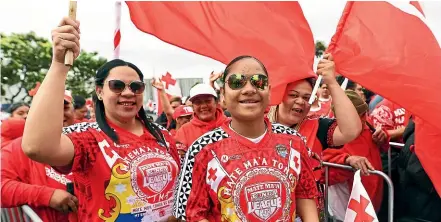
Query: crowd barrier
[(20, 214), (31, 214), (374, 172)]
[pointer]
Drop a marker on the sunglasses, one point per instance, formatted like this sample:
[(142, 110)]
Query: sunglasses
[(118, 86), (238, 81)]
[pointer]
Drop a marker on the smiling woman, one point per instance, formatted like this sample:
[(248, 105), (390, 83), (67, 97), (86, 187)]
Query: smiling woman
[(233, 165), (121, 150)]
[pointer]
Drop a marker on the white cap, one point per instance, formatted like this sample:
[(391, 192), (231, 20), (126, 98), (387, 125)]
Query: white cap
[(202, 89)]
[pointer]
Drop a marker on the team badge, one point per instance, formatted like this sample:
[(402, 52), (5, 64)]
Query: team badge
[(282, 150)]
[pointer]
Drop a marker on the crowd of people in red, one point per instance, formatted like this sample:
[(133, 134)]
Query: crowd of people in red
[(222, 156)]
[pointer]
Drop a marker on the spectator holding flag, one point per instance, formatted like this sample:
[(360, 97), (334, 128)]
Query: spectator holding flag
[(112, 158)]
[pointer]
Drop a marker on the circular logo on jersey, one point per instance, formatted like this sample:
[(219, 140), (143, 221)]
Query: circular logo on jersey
[(152, 173), (263, 194)]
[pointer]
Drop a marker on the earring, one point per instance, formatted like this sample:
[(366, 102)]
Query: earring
[(100, 98)]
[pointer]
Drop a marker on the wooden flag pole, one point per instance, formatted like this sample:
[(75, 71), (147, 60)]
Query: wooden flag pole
[(69, 57)]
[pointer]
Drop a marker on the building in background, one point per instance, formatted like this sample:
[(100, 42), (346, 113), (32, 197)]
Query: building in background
[(184, 83)]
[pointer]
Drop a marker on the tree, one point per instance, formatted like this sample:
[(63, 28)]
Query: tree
[(25, 60), (320, 48)]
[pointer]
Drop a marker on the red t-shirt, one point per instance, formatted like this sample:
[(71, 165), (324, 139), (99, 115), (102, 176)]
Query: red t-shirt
[(323, 111), (130, 181), (228, 177), (24, 181), (389, 115)]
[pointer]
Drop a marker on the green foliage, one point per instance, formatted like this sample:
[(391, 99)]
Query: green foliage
[(26, 58), (320, 48)]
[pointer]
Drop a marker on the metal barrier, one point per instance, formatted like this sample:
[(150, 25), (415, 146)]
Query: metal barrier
[(31, 213), (23, 213), (379, 173)]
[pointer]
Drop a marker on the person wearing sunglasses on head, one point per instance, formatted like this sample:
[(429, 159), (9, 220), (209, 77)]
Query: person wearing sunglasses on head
[(248, 169), (124, 167), (207, 116)]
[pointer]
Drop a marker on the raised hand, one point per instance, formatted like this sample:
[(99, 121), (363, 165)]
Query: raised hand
[(326, 68), (65, 37), (157, 84)]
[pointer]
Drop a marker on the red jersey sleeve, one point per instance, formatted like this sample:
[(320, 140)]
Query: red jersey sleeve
[(85, 147), (15, 190), (198, 203), (306, 186)]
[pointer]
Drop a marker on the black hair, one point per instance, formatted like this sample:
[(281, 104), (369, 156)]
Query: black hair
[(237, 59), (79, 102), (176, 99), (15, 106), (94, 98), (101, 75), (311, 81), (368, 94)]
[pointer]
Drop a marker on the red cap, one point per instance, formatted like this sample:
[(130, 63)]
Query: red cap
[(182, 111)]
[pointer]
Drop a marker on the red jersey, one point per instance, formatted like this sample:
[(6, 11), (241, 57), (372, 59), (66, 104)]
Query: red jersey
[(227, 177), (322, 111), (389, 115), (130, 181), (192, 130), (361, 146), (24, 181)]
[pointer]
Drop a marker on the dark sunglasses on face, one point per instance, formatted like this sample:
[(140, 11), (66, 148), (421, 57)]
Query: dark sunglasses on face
[(118, 86), (238, 81)]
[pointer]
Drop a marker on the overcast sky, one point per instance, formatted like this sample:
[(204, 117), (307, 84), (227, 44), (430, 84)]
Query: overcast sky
[(150, 54)]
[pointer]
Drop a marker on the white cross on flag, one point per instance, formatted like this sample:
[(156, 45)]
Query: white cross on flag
[(215, 174), (294, 160), (360, 208)]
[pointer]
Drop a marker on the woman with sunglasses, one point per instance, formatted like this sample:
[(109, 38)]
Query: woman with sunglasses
[(124, 167), (248, 169)]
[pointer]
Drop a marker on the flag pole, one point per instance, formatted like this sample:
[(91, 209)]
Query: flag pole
[(344, 84), (117, 33), (69, 56)]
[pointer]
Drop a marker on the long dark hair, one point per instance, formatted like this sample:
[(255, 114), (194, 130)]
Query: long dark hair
[(100, 115)]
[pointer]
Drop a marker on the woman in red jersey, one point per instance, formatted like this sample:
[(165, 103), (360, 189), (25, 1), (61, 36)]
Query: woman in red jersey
[(124, 167), (320, 133), (248, 169)]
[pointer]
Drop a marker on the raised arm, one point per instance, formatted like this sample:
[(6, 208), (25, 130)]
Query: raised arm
[(348, 121), (42, 139), (166, 107)]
